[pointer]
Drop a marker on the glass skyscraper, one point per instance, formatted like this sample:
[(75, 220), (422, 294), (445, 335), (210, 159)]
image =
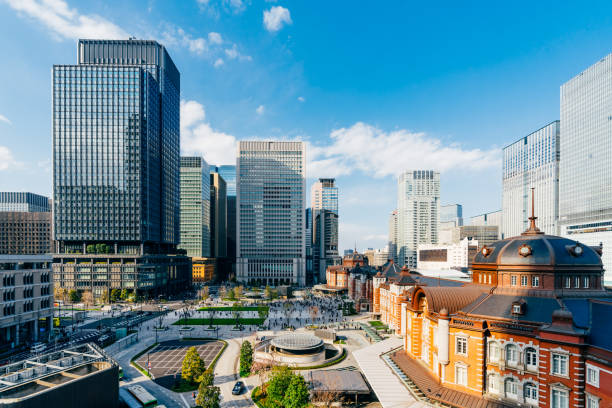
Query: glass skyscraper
[(228, 173), (531, 162), (418, 205), (271, 211), (585, 167), (116, 164), (324, 204), (195, 207)]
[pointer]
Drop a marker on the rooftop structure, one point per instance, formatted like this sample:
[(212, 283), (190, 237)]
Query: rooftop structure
[(63, 378)]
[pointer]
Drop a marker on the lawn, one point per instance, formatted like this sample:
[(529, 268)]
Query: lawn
[(219, 322), (377, 324), (230, 309)]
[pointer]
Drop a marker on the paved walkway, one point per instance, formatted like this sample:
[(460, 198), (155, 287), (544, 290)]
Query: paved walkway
[(388, 388)]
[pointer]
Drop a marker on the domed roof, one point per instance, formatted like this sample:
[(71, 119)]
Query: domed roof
[(534, 248), (537, 250)]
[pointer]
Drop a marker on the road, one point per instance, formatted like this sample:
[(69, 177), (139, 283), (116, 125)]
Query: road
[(226, 375)]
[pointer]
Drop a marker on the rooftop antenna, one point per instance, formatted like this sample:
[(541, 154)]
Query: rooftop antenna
[(533, 229)]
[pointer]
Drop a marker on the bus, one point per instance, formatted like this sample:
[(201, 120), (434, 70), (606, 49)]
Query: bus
[(143, 396)]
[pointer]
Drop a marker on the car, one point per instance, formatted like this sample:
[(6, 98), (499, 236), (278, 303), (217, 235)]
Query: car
[(237, 390)]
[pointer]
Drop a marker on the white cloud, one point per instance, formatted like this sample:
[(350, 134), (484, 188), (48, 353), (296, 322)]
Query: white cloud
[(260, 110), (174, 36), (276, 17), (232, 53), (5, 119), (199, 138), (218, 62), (214, 38), (65, 22), (6, 158), (301, 99), (368, 149)]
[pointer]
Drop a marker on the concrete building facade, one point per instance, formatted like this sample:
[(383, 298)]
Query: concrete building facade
[(271, 213), (26, 233), (26, 304), (418, 212)]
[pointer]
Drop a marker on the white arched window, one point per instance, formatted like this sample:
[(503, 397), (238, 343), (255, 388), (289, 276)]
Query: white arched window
[(511, 388), (494, 352), (530, 392), (511, 354)]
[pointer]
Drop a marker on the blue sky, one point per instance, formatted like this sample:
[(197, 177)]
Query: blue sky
[(374, 88)]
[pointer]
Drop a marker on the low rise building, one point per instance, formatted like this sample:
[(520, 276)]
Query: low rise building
[(447, 256), (24, 232), (26, 304)]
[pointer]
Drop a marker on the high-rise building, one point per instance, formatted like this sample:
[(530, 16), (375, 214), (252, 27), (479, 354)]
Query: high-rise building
[(418, 212), (585, 167), (491, 219), (531, 162), (228, 172), (195, 207), (116, 169), (27, 299), (324, 195), (393, 235), (451, 216), (23, 202), (452, 213), (324, 201), (270, 202), (218, 216), (310, 278)]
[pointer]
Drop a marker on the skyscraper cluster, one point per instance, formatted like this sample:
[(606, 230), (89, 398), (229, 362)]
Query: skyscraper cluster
[(568, 164)]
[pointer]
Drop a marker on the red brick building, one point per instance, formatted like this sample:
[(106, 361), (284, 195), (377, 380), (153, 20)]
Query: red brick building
[(532, 329)]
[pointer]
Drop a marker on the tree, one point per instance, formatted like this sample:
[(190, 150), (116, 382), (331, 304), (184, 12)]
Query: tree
[(207, 378), (104, 297), (124, 294), (231, 294), (74, 296), (280, 378), (60, 293), (222, 292), (246, 358), (236, 312), (211, 313), (262, 311), (87, 298), (90, 249), (205, 294), (115, 295), (208, 397), (238, 292), (268, 293), (297, 395), (193, 366)]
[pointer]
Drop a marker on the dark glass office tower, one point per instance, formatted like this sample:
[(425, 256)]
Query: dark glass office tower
[(116, 167), (228, 172)]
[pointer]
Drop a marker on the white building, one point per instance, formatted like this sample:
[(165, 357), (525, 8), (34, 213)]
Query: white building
[(393, 235), (418, 213), (447, 256), (585, 168), (270, 202), (531, 162)]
